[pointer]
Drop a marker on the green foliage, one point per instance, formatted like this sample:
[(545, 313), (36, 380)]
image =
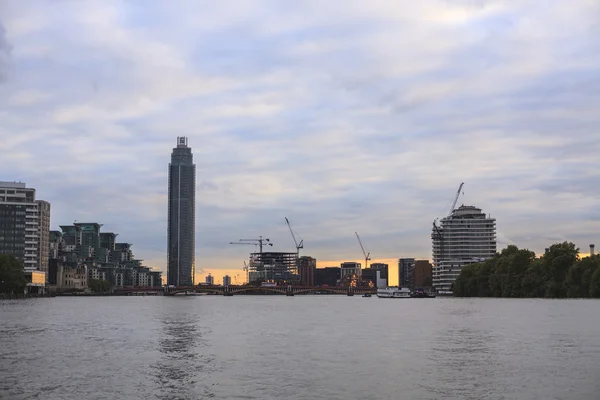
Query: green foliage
[(99, 285), (516, 272), (595, 284), (12, 277)]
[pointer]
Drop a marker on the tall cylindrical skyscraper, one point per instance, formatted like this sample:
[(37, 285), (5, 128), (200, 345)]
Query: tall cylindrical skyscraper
[(182, 216)]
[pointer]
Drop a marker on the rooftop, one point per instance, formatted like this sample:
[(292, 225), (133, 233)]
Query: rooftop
[(15, 185)]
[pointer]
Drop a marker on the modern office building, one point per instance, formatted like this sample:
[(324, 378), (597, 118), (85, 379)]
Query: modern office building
[(56, 241), (210, 280), (306, 269), (369, 277), (226, 280), (44, 234), (466, 236), (329, 276), (405, 268), (182, 215), (24, 226), (350, 273), (422, 274), (383, 268)]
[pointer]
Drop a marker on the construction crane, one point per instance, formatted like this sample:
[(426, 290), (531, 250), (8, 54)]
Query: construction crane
[(456, 198), (298, 245), (247, 273), (260, 242), (437, 234), (249, 244), (367, 259)]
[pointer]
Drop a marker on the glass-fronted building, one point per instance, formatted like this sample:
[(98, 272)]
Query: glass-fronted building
[(24, 226), (182, 215)]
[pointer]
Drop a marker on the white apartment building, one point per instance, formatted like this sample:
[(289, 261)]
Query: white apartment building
[(466, 236)]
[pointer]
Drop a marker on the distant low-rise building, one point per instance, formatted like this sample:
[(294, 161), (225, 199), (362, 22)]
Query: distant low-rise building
[(383, 268), (156, 278), (350, 268), (369, 277), (422, 274), (67, 278), (210, 280), (226, 280), (405, 269), (329, 276), (306, 269)]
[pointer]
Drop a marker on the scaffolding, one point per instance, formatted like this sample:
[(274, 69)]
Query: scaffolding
[(273, 267)]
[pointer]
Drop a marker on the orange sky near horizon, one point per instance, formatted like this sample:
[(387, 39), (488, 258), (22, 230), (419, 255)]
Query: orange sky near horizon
[(240, 275)]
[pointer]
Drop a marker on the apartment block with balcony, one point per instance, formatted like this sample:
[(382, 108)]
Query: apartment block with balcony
[(24, 226), (466, 236), (82, 245)]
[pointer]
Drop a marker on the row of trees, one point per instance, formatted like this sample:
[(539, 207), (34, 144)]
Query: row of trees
[(514, 272), (99, 285), (12, 277)]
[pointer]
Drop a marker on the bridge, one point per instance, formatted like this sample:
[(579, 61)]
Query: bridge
[(288, 290)]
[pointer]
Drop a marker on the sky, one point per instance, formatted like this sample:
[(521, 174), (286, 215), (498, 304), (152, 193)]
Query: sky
[(343, 116)]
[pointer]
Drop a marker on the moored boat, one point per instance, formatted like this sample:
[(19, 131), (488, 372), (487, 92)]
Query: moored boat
[(393, 292), (421, 294)]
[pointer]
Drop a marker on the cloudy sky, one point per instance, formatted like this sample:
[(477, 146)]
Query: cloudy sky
[(343, 116)]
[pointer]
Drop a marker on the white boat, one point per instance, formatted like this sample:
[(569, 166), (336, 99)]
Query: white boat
[(393, 292)]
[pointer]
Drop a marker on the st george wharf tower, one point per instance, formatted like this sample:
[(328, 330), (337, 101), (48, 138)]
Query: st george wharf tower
[(182, 216)]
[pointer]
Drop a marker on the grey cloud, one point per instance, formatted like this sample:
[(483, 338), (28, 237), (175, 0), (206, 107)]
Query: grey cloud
[(5, 52), (365, 136)]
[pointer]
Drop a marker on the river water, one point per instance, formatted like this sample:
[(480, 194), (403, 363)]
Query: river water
[(302, 347)]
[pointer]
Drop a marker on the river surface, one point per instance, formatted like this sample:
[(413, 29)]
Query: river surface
[(302, 347)]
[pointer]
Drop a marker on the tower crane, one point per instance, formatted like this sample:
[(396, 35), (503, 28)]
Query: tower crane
[(298, 245), (437, 234), (247, 274), (456, 198), (367, 259), (260, 242)]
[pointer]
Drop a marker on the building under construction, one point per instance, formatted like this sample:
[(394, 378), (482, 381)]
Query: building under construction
[(467, 236), (273, 267)]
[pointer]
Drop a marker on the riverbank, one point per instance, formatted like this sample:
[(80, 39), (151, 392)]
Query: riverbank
[(14, 296)]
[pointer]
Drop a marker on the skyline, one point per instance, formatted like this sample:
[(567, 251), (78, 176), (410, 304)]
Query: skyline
[(360, 118)]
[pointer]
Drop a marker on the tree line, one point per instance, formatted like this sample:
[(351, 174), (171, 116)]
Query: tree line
[(12, 276), (514, 272)]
